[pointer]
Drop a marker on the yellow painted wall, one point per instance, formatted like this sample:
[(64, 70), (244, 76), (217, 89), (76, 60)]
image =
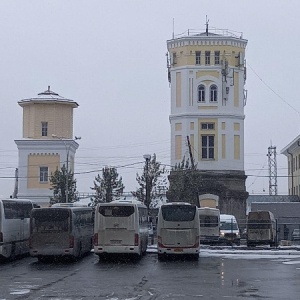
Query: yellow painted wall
[(178, 89), (185, 55), (236, 126), (178, 147), (207, 107), (223, 146), (34, 163), (192, 141), (236, 89), (208, 203), (237, 154), (191, 94), (58, 116), (178, 126), (208, 73)]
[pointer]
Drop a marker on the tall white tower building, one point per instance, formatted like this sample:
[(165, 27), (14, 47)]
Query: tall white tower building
[(207, 75)]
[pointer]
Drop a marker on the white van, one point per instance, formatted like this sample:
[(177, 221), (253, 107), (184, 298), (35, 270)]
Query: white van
[(229, 230)]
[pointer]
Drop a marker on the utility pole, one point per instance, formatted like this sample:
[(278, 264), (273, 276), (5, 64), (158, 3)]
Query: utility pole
[(147, 157), (190, 152), (272, 170)]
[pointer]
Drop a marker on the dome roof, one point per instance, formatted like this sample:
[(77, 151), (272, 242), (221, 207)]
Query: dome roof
[(48, 96)]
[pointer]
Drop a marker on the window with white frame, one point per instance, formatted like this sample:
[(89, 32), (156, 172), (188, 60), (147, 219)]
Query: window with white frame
[(208, 146), (217, 57), (44, 128), (207, 126), (207, 57), (213, 93), (43, 174), (198, 57), (201, 93)]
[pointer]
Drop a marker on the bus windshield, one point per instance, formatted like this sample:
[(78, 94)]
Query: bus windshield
[(228, 226), (209, 221), (116, 211), (178, 213), (259, 224), (51, 220)]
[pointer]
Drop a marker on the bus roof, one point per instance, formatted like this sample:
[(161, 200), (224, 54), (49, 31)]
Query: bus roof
[(73, 204), (176, 203), (123, 202), (224, 217)]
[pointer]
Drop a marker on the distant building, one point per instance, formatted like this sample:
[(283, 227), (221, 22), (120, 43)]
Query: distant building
[(207, 75), (46, 145), (292, 152)]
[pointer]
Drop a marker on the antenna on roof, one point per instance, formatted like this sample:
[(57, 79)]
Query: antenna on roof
[(206, 24), (173, 29)]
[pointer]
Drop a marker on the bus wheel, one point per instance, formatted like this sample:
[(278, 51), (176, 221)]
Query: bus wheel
[(161, 257), (79, 250), (195, 256), (13, 251)]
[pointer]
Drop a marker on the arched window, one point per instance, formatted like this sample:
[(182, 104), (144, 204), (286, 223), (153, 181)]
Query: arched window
[(213, 93), (201, 93)]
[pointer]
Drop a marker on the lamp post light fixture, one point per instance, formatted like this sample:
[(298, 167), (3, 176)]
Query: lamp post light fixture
[(147, 158), (67, 162)]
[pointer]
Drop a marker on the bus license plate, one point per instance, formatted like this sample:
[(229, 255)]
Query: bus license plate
[(178, 250), (115, 242)]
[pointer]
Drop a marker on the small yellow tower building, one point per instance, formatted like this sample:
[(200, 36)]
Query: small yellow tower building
[(46, 145)]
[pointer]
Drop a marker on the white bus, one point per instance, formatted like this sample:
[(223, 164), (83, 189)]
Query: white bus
[(64, 230), (121, 226), (178, 229), (14, 227), (261, 228), (209, 225)]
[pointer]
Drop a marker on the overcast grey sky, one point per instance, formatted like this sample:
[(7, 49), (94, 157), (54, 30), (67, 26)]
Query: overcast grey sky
[(109, 56)]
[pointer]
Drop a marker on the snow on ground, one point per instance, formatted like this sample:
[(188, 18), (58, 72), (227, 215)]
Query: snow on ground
[(286, 254)]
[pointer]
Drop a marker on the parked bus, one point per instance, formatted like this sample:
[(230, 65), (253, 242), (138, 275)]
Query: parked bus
[(14, 226), (178, 229), (209, 225), (229, 230), (61, 230), (121, 227), (261, 228)]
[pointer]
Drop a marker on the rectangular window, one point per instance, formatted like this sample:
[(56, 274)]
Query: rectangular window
[(43, 174), (174, 59), (208, 146), (198, 57), (207, 57), (44, 128), (217, 57), (208, 126)]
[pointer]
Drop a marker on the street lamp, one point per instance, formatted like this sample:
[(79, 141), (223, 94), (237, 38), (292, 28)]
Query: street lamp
[(147, 158), (67, 164)]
